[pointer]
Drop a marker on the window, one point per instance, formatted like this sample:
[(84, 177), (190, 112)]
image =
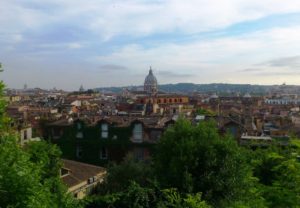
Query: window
[(138, 154), (64, 172), (79, 152), (79, 135), (103, 153), (79, 126), (138, 132), (104, 130), (155, 135), (56, 133), (25, 135), (89, 189)]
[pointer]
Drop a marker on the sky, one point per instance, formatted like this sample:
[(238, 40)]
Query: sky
[(98, 43)]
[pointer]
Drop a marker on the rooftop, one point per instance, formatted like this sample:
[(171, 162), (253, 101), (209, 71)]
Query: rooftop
[(80, 172)]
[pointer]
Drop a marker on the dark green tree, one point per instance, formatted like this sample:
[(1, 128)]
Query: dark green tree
[(46, 156), (278, 171), (29, 177), (4, 119), (136, 196), (120, 176), (196, 159), (171, 198)]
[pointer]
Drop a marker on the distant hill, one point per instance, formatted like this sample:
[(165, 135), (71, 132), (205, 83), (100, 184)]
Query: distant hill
[(201, 88)]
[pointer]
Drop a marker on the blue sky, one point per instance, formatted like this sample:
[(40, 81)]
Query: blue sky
[(66, 43)]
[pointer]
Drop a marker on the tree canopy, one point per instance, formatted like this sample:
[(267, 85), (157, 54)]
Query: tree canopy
[(29, 176), (194, 166), (197, 159)]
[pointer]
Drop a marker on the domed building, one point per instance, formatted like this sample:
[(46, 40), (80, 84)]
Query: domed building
[(150, 84), (247, 95), (159, 101)]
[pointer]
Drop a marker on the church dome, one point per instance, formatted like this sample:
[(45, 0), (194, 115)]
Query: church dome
[(150, 84), (214, 96), (247, 95)]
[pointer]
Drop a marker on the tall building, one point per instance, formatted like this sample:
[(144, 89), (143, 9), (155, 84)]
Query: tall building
[(150, 84), (157, 102), (81, 89)]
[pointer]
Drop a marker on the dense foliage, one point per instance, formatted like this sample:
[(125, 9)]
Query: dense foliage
[(278, 172), (194, 166), (136, 196), (197, 159), (121, 176), (28, 181), (29, 176)]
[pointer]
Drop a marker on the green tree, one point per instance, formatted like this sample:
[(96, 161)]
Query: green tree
[(46, 156), (29, 177), (4, 120), (196, 159), (278, 171), (173, 199), (136, 196), (206, 112), (120, 176)]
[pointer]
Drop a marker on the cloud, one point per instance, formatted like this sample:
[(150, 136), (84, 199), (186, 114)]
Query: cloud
[(250, 70), (291, 62), (74, 45), (112, 67), (109, 19), (143, 18), (214, 60), (274, 74), (171, 74), (283, 68), (188, 41), (195, 55)]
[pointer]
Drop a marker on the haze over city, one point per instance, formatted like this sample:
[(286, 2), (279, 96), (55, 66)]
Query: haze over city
[(67, 43)]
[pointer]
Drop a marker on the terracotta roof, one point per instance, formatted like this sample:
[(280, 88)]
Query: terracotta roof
[(118, 121), (80, 172)]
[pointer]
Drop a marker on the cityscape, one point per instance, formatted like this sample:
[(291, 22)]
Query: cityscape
[(161, 107)]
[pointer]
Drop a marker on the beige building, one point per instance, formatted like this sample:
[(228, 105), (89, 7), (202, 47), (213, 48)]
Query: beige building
[(81, 178), (25, 134)]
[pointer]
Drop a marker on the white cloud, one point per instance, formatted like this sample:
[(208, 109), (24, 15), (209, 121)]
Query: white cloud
[(17, 38), (209, 60), (75, 45), (194, 16), (213, 60), (139, 18)]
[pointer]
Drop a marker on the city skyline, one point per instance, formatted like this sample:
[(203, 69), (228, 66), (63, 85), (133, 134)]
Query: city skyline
[(67, 43)]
